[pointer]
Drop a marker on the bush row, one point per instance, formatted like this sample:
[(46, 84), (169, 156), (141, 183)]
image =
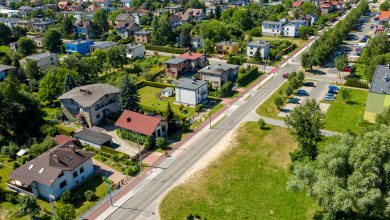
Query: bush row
[(165, 49), (248, 77), (137, 138), (144, 83), (356, 83)]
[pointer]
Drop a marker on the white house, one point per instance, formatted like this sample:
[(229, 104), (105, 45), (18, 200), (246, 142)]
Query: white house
[(44, 59), (291, 29), (135, 50), (190, 92), (272, 28), (253, 46), (197, 42), (90, 104), (61, 168)]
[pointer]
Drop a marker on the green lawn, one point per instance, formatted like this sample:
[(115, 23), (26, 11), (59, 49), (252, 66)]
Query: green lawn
[(214, 110), (360, 71), (268, 108), (247, 182), (299, 42), (5, 49), (342, 117), (150, 101)]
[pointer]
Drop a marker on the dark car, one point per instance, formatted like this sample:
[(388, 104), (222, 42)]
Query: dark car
[(331, 87), (310, 84), (302, 92), (332, 91), (293, 100), (285, 75)]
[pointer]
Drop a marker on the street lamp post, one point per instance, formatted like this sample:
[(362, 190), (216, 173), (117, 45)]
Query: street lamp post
[(109, 189), (52, 207)]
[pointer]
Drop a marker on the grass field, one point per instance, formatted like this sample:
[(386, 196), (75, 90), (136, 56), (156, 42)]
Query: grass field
[(246, 182), (342, 117), (268, 108), (360, 71), (5, 49), (299, 42), (149, 100)]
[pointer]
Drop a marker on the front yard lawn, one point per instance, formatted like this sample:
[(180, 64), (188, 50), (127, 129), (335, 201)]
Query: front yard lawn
[(268, 108), (149, 100), (342, 116), (247, 182)]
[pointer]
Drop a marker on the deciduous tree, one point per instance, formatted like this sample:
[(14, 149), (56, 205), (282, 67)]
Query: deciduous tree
[(5, 34), (29, 206), (52, 40), (26, 46), (65, 212), (129, 97)]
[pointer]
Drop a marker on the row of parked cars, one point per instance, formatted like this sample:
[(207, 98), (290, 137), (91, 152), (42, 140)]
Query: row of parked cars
[(301, 92), (332, 93)]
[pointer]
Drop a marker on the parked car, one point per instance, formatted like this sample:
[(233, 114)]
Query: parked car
[(311, 84), (330, 95), (285, 75), (328, 99), (348, 69), (293, 100), (332, 91), (331, 87), (302, 92)]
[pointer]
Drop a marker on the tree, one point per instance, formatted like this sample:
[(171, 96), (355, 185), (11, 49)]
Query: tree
[(214, 30), (257, 56), (100, 19), (170, 116), (278, 102), (29, 206), (194, 4), (90, 195), (69, 82), (160, 142), (67, 26), (383, 118), (305, 123), (162, 32), (198, 107), (129, 97), (31, 70), (303, 32), (89, 70), (185, 37), (67, 197), (218, 11), (307, 61), (26, 46), (52, 40), (19, 32), (261, 123), (65, 212), (116, 56), (345, 94), (242, 19), (350, 177), (341, 62), (5, 34), (289, 91)]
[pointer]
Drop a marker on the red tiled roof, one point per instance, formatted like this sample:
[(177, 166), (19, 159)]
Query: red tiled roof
[(138, 123), (60, 139), (384, 15), (325, 5), (296, 4), (190, 56)]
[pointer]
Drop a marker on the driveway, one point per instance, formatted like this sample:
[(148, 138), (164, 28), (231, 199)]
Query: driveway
[(120, 144)]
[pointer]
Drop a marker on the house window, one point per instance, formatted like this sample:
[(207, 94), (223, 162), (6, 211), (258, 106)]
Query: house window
[(198, 92), (98, 116), (75, 174), (82, 170), (51, 58), (63, 184)]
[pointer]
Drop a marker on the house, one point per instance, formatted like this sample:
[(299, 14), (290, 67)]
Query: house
[(195, 61), (151, 126), (384, 17), (91, 103), (61, 168), (93, 138), (175, 21), (379, 93), (272, 28), (126, 3), (102, 45), (44, 59), (197, 42), (9, 12), (4, 69), (135, 51), (174, 9), (126, 29), (75, 8), (219, 74), (42, 26), (103, 3), (125, 18), (196, 14), (92, 8), (311, 18), (184, 17), (291, 29), (190, 92), (253, 46), (143, 37), (64, 5), (83, 28), (79, 46), (227, 47), (167, 92), (38, 41), (25, 10), (175, 67)]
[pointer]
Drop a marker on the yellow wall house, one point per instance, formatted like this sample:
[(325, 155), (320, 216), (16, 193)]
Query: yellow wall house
[(227, 47), (379, 94)]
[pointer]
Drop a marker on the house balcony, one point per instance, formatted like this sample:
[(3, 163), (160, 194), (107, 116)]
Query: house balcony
[(19, 189)]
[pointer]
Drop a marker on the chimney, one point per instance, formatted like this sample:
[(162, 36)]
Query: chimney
[(56, 158), (72, 148), (128, 119)]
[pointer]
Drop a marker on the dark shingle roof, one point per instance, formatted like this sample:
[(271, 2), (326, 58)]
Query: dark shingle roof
[(93, 136)]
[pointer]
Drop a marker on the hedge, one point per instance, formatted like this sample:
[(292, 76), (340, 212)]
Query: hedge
[(165, 49), (112, 151), (148, 142), (144, 83), (356, 83), (64, 130), (248, 77)]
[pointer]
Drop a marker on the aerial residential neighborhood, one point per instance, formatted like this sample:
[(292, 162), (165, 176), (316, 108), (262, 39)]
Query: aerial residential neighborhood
[(194, 109)]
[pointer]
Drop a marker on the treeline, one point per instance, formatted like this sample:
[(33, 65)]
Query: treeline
[(321, 50)]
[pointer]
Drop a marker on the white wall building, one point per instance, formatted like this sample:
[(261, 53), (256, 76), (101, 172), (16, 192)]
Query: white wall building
[(272, 28), (135, 51), (253, 46), (190, 92), (278, 28), (44, 59)]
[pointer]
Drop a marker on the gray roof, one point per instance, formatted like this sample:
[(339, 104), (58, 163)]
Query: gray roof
[(93, 136), (39, 56), (381, 80), (259, 43), (133, 46), (143, 32), (272, 22), (175, 60), (168, 89), (5, 67), (87, 95), (218, 68), (188, 83), (103, 44)]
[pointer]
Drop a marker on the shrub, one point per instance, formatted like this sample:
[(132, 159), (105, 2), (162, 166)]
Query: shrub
[(296, 155), (181, 106), (198, 107), (278, 102), (261, 124), (356, 83), (67, 197), (11, 197), (62, 129), (131, 170), (160, 142), (90, 195), (289, 91), (248, 77), (139, 139)]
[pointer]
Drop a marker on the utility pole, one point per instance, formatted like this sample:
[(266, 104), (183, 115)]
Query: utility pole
[(140, 155), (109, 189), (52, 207)]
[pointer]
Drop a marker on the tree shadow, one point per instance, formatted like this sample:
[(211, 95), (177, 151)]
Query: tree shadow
[(317, 72)]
